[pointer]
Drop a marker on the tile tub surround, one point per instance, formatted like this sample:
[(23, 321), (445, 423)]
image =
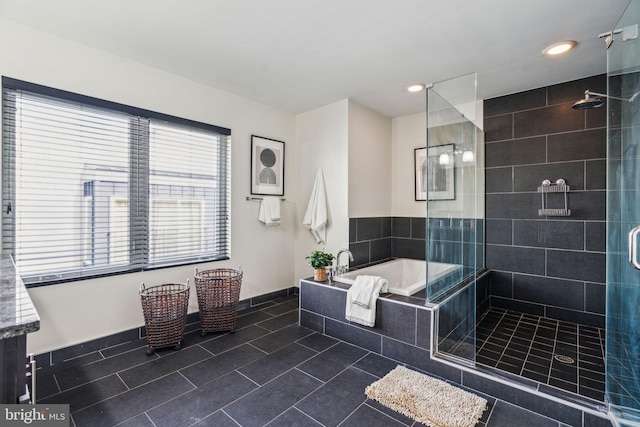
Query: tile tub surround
[(370, 240), (378, 239), (403, 333), (547, 266)]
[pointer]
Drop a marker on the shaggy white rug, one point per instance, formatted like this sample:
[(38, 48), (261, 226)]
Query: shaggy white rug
[(426, 399)]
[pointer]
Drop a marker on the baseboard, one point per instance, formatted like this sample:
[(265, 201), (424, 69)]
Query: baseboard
[(79, 350)]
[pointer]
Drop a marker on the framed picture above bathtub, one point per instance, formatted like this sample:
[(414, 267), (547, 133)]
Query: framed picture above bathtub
[(267, 166), (435, 173)]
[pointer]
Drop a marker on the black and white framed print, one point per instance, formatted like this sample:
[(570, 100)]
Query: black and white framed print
[(420, 172), (267, 166), (440, 172)]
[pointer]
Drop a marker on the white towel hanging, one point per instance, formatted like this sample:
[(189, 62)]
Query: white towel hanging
[(315, 218), (269, 213)]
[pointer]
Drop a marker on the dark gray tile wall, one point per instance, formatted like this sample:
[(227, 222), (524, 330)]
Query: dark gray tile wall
[(378, 239), (370, 239), (550, 266), (457, 317), (381, 238)]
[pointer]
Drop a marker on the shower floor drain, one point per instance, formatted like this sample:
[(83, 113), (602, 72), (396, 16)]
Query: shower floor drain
[(564, 359)]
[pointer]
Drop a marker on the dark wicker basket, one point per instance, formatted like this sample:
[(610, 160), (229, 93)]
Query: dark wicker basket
[(165, 314), (218, 292)]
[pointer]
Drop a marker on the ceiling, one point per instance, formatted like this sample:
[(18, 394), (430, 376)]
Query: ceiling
[(297, 55)]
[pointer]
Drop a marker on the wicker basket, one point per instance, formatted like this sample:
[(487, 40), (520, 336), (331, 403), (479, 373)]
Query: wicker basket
[(218, 293), (165, 314)]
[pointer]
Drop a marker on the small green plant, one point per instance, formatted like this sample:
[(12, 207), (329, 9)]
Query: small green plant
[(320, 259)]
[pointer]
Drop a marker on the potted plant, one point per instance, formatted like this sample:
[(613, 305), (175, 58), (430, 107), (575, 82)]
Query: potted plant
[(320, 260)]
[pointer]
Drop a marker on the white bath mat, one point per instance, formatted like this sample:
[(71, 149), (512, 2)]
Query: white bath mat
[(426, 399)]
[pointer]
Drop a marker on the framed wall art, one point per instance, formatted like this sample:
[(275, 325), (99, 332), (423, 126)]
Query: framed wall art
[(435, 173), (420, 173), (267, 166)]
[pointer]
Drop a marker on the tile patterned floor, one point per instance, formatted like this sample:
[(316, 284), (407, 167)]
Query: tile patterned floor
[(564, 355), (270, 372)]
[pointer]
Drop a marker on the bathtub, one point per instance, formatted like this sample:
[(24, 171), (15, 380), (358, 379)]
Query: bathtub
[(405, 276)]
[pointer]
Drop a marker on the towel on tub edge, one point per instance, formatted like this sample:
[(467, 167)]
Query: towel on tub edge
[(362, 297)]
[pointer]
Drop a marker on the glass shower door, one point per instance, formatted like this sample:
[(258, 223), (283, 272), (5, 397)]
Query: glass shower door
[(623, 221), (453, 171)]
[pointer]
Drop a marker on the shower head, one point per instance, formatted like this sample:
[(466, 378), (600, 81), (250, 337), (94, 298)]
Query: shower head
[(591, 101), (588, 102)]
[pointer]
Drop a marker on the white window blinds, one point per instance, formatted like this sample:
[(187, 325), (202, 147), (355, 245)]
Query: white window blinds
[(186, 202), (93, 188)]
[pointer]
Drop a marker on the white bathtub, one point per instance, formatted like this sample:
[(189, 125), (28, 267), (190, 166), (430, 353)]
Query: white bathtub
[(405, 276)]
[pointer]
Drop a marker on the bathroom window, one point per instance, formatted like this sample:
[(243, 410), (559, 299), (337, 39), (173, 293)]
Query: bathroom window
[(92, 188)]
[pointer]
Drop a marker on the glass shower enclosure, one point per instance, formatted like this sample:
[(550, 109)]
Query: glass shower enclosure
[(623, 220), (453, 171)]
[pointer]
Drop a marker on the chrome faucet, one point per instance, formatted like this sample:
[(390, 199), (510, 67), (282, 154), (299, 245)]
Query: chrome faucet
[(341, 269)]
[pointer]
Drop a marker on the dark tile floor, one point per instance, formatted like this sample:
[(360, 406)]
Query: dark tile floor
[(270, 372), (564, 355)]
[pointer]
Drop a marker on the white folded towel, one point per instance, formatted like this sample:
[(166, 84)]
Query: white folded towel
[(362, 297), (315, 218), (269, 212)]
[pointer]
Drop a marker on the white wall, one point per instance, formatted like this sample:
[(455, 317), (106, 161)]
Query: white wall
[(352, 145), (409, 133), (369, 163), (322, 142), (80, 311)]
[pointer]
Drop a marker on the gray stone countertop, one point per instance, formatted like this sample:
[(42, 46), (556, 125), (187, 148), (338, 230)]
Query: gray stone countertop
[(18, 315)]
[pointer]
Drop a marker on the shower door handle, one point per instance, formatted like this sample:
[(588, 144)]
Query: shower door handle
[(633, 247)]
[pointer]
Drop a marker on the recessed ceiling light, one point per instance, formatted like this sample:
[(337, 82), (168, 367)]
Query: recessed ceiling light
[(416, 87), (560, 47)]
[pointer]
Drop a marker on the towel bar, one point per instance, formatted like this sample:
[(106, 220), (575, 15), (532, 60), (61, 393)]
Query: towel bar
[(260, 198)]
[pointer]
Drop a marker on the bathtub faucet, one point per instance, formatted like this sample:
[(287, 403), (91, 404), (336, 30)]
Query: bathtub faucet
[(341, 269)]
